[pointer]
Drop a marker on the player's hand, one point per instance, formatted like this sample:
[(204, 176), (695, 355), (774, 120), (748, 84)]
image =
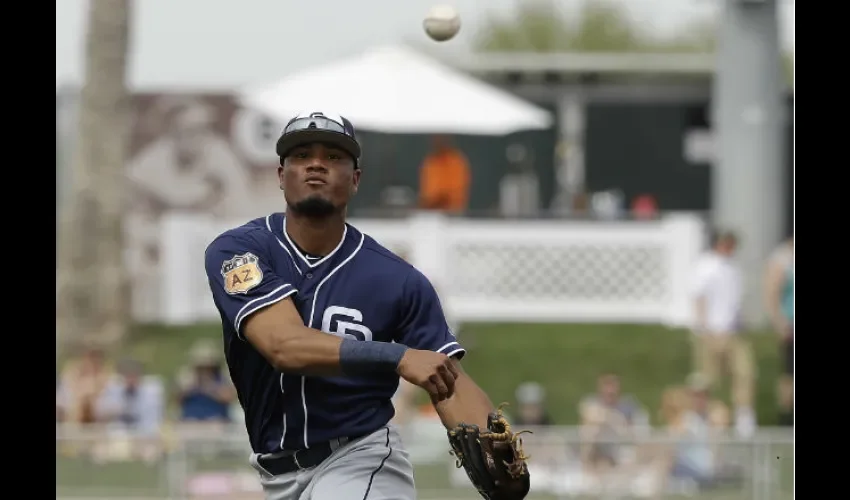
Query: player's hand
[(431, 371)]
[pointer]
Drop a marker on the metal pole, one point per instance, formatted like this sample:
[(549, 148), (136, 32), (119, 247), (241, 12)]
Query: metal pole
[(747, 180), (570, 165)]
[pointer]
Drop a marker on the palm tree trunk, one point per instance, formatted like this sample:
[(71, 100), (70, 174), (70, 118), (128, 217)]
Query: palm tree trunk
[(92, 303)]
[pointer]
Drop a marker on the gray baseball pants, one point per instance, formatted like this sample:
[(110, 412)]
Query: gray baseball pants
[(374, 467)]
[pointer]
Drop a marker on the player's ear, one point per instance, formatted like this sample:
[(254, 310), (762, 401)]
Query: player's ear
[(355, 180), (280, 174)]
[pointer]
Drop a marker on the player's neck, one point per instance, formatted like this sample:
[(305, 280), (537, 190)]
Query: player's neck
[(316, 236)]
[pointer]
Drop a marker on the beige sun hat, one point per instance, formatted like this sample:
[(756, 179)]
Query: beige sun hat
[(204, 353)]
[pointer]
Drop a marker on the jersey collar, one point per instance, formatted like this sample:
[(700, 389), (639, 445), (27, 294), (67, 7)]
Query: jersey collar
[(312, 263)]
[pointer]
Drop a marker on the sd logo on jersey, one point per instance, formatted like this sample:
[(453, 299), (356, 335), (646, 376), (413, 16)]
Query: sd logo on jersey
[(241, 273)]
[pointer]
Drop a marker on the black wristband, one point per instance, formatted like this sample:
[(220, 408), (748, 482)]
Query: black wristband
[(358, 357)]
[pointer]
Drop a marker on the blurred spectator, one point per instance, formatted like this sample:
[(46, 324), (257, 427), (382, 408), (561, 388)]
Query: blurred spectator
[(81, 386), (132, 407), (644, 207), (608, 205), (580, 204), (608, 418), (133, 402), (693, 456), (445, 178), (694, 422), (718, 342), (204, 391), (779, 295), (519, 189), (531, 405), (703, 409), (547, 444), (190, 165)]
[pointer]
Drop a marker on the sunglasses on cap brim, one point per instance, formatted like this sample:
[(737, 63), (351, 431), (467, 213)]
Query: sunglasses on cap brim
[(315, 123)]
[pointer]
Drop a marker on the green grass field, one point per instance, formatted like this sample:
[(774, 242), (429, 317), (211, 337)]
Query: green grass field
[(565, 358)]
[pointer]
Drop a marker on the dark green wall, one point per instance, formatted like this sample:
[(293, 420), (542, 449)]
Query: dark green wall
[(638, 148), (390, 159)]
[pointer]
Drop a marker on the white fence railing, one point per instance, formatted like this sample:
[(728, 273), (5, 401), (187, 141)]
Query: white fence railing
[(562, 465), (489, 270)]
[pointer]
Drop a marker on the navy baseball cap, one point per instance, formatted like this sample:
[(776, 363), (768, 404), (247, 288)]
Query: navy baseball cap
[(319, 127)]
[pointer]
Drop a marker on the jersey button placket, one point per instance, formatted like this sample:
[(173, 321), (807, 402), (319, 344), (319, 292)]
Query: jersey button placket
[(309, 276)]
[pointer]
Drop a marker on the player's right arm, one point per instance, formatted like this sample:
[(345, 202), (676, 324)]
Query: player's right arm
[(257, 301), (262, 313), (278, 332)]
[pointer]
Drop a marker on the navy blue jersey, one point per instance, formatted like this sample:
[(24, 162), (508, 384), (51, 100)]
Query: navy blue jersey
[(361, 290)]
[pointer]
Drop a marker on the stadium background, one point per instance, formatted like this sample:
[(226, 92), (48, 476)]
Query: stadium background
[(649, 126)]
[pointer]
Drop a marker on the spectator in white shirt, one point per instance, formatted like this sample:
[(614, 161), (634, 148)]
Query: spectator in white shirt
[(718, 294)]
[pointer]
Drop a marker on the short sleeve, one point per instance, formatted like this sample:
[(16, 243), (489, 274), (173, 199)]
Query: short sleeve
[(423, 324), (701, 277), (241, 278)]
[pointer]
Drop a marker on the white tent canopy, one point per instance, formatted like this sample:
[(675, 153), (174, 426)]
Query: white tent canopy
[(397, 90)]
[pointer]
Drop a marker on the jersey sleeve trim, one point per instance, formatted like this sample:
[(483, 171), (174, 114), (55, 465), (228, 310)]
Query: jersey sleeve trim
[(452, 349), (276, 295)]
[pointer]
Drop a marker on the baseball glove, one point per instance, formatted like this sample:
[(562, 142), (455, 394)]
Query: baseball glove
[(493, 458)]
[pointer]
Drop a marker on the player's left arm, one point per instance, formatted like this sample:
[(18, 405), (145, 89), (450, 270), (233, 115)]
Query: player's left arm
[(469, 404), (480, 437), (424, 326)]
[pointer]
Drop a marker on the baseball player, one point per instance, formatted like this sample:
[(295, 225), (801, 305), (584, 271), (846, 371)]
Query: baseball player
[(319, 323)]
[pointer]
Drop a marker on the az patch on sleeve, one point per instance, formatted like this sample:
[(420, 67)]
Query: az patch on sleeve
[(241, 273)]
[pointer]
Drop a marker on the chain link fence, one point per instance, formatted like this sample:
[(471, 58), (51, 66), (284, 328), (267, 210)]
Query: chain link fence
[(180, 466)]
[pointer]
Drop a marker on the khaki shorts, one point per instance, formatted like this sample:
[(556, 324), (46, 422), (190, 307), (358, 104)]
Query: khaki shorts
[(716, 355)]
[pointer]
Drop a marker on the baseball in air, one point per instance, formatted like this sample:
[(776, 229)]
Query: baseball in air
[(442, 23)]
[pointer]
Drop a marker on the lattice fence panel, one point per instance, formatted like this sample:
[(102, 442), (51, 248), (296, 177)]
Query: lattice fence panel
[(606, 271), (492, 270)]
